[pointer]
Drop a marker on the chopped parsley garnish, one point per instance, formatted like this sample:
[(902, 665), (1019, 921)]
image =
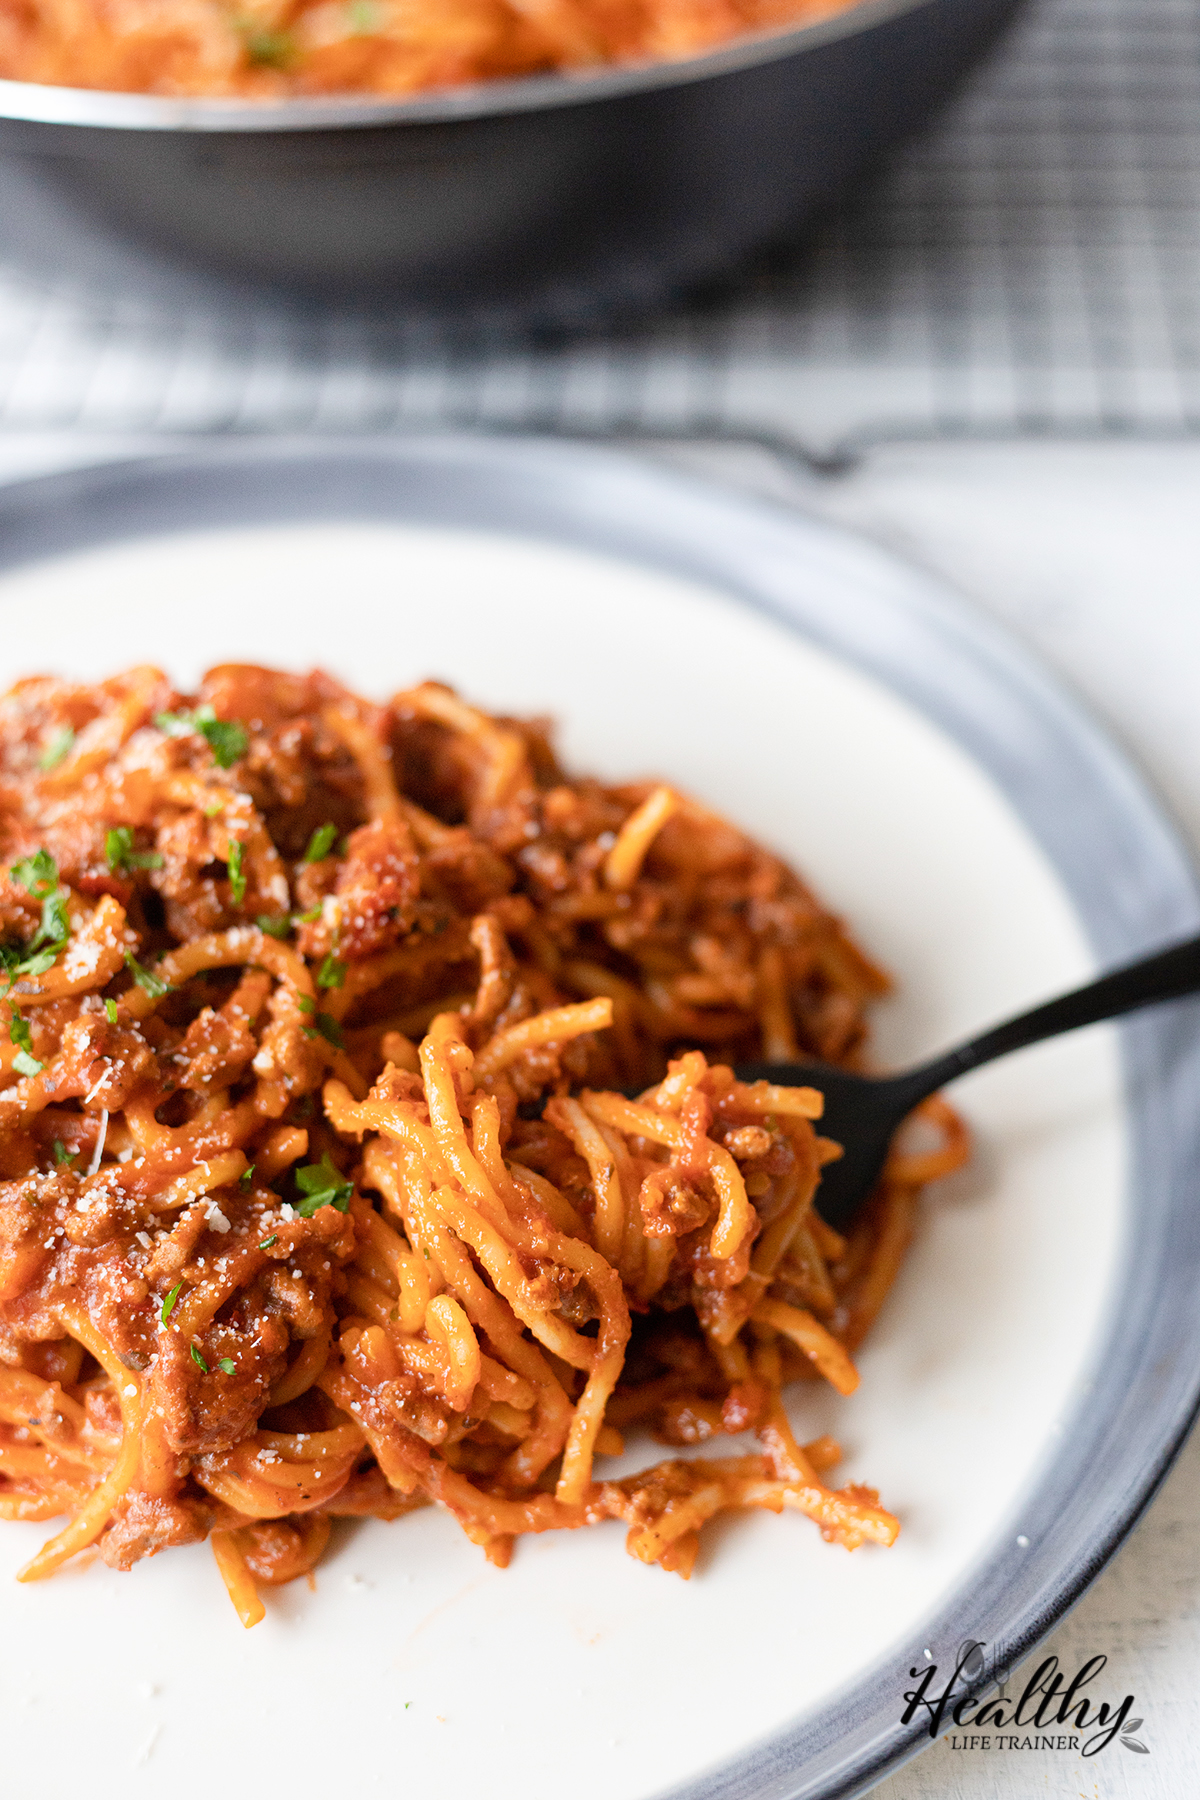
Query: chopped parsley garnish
[(237, 874), (110, 1007), (62, 1156), (56, 749), (245, 1178), (321, 843), (14, 964), (322, 1185), (282, 928), (326, 1026), (268, 49), (199, 1361), (175, 724), (55, 927), (306, 1004), (121, 855), (24, 1062), (331, 973), (267, 1242), (37, 874), (226, 738), (147, 980), (227, 1365), (169, 1302)]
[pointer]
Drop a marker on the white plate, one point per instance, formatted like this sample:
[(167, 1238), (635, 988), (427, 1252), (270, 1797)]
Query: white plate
[(414, 1666)]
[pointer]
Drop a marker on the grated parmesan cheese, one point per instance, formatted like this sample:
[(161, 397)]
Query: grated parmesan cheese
[(94, 1090)]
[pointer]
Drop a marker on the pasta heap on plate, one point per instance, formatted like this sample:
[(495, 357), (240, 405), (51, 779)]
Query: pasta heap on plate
[(270, 49), (320, 1195)]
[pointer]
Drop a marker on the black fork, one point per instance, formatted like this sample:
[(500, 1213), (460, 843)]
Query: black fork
[(863, 1112)]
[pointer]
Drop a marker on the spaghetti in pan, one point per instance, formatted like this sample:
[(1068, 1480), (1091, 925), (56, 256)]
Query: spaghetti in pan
[(275, 49), (321, 1192)]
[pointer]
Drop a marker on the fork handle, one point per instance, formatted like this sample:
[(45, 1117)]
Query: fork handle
[(1167, 975)]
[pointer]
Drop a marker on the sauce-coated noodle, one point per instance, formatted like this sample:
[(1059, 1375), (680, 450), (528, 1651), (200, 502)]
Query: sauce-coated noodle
[(321, 1193)]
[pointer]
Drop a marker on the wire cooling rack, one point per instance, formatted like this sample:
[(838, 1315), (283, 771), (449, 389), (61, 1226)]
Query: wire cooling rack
[(1030, 265)]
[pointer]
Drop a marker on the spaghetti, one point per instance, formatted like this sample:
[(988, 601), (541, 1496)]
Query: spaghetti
[(321, 1194), (270, 49)]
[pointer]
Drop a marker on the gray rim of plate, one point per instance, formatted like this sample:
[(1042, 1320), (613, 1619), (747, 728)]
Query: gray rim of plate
[(531, 93), (1132, 885)]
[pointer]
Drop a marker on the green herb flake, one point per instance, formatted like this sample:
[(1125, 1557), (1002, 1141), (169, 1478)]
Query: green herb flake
[(118, 844), (321, 843), (310, 917), (227, 1365), (268, 49), (326, 1026), (199, 1361), (237, 874), (24, 1062), (169, 1303), (330, 1030), (306, 1004), (225, 737), (62, 1156), (120, 854), (147, 980), (55, 927), (56, 749), (245, 1178), (175, 724), (14, 964), (110, 1007), (37, 874), (267, 1242), (332, 973), (322, 1185), (276, 928)]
